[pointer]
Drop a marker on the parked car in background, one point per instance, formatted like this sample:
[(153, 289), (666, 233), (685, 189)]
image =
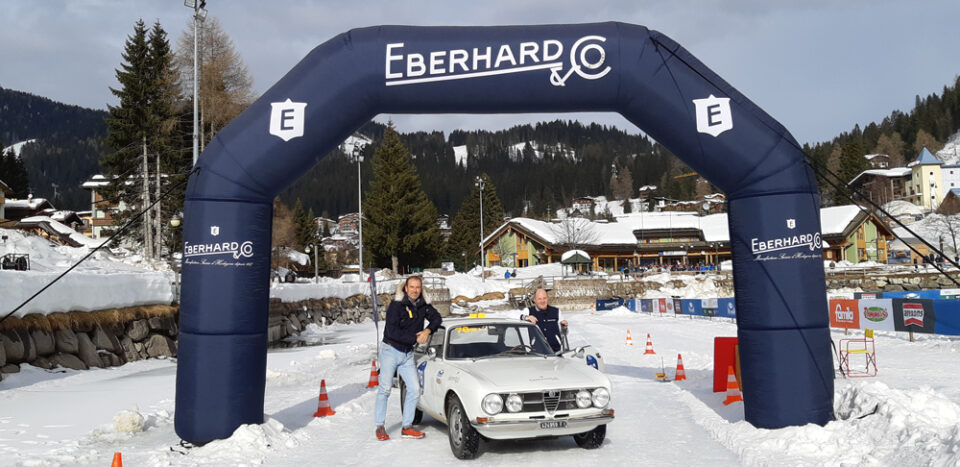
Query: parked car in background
[(282, 274)]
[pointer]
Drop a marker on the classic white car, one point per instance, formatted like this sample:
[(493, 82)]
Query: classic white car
[(498, 378)]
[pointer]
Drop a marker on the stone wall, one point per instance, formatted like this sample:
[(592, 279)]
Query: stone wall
[(81, 340)]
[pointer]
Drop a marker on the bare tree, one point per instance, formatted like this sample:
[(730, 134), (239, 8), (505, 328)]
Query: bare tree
[(505, 248), (226, 88), (948, 228), (574, 233)]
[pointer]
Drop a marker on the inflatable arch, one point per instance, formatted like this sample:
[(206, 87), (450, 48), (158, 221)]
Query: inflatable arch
[(642, 74)]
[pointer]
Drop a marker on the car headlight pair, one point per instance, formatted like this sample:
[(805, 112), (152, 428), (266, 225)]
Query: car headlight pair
[(599, 398), (493, 403)]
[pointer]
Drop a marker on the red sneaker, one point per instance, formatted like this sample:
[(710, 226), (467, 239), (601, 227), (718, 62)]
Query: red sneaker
[(411, 433), (382, 434)]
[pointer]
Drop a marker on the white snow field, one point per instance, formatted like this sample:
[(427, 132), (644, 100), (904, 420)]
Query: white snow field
[(910, 411)]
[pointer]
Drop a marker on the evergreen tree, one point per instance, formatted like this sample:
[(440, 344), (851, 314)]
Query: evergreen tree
[(465, 230), (401, 222), (302, 225), (13, 173)]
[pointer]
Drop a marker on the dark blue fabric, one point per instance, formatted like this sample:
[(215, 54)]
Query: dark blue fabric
[(549, 323), (616, 67), (405, 320)]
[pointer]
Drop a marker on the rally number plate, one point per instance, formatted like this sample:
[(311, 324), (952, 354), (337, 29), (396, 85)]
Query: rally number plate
[(554, 424)]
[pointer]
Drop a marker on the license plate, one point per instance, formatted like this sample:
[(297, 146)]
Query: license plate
[(554, 424)]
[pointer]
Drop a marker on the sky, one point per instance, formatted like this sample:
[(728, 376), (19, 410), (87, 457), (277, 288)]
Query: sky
[(817, 66)]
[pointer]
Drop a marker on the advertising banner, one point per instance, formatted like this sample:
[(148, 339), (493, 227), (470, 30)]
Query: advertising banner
[(709, 306), (726, 308), (930, 294), (863, 295), (876, 314), (913, 315), (691, 306), (645, 305), (609, 304), (844, 313), (948, 317), (631, 304)]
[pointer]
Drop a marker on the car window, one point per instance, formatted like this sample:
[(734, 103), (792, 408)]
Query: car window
[(495, 340), (436, 341)]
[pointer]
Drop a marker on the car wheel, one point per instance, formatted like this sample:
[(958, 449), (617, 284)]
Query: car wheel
[(464, 439), (591, 439), (417, 413)]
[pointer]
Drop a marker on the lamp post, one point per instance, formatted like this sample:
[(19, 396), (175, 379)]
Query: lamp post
[(356, 154), (479, 183), (313, 246), (199, 14)]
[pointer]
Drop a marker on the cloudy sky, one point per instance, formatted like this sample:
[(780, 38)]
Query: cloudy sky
[(817, 66)]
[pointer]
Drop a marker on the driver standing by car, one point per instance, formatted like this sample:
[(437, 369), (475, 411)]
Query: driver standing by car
[(547, 318), (403, 330)]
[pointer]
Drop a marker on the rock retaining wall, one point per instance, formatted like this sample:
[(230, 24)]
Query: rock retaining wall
[(80, 340)]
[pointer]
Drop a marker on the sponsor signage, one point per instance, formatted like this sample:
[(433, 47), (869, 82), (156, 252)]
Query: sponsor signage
[(913, 315), (713, 115), (844, 314), (876, 314), (692, 306), (726, 307), (405, 65)]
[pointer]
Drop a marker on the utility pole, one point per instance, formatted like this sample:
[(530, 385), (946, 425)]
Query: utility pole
[(480, 184)]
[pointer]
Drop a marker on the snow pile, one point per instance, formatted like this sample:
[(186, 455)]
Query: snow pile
[(132, 281), (129, 421)]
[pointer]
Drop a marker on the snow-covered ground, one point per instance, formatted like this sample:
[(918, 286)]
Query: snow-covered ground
[(83, 417)]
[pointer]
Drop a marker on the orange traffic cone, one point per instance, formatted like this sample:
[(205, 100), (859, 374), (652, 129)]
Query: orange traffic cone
[(323, 408), (680, 373), (649, 350), (629, 339), (117, 460), (733, 389), (374, 379)]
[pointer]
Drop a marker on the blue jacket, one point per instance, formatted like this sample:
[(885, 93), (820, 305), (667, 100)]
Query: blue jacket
[(549, 323), (405, 320)]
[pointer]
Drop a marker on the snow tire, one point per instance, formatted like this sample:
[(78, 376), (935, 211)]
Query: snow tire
[(591, 439), (464, 439)]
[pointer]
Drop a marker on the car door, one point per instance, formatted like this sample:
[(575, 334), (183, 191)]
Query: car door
[(430, 371)]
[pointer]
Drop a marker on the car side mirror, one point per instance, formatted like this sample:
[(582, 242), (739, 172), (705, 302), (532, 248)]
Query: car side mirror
[(432, 352)]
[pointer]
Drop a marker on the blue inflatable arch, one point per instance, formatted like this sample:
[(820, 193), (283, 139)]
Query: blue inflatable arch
[(642, 74)]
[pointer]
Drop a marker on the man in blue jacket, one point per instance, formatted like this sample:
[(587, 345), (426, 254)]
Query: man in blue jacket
[(403, 330), (547, 318)]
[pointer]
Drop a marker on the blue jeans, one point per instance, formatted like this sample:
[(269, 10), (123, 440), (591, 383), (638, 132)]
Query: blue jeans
[(394, 361)]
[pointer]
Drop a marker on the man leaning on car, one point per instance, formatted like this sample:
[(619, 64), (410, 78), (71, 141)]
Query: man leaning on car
[(404, 330), (547, 318)]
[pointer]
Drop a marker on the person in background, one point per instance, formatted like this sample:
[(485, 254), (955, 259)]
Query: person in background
[(403, 330), (547, 318)]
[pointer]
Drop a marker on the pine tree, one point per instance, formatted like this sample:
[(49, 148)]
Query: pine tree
[(302, 225), (13, 173), (400, 221), (464, 238)]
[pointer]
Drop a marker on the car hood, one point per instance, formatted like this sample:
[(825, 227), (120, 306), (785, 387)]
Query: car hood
[(533, 373)]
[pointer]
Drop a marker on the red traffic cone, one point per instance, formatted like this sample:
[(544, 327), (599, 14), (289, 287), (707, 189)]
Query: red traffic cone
[(680, 373), (374, 378), (117, 460), (649, 350), (629, 339), (323, 407), (733, 389)]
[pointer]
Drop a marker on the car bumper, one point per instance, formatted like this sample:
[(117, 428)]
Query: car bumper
[(527, 428)]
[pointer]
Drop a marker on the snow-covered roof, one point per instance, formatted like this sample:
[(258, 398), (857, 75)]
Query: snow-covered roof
[(896, 172), (95, 181), (63, 230), (836, 218), (30, 203), (900, 207)]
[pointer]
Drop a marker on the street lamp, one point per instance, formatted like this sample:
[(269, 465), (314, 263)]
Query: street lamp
[(199, 14), (313, 246), (479, 183), (356, 154)]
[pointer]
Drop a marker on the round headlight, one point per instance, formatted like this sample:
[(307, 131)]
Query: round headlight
[(583, 399), (514, 403), (492, 404), (601, 397)]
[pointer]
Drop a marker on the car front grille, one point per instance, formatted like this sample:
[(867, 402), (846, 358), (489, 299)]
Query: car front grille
[(549, 401)]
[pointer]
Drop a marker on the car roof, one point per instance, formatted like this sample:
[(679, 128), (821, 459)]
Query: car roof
[(449, 322)]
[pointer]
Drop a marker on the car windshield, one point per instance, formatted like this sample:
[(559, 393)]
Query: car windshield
[(496, 340)]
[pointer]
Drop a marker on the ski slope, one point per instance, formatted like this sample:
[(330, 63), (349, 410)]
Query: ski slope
[(79, 417)]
